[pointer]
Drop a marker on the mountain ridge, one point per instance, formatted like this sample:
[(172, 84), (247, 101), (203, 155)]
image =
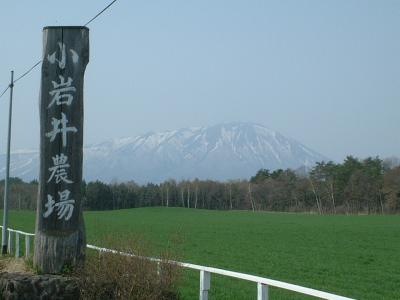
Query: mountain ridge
[(234, 150)]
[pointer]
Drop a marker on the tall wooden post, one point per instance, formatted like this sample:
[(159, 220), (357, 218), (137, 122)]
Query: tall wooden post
[(60, 232)]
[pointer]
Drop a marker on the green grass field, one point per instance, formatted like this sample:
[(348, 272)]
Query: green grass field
[(354, 256)]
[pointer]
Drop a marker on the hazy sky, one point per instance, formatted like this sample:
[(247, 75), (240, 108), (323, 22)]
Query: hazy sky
[(326, 73)]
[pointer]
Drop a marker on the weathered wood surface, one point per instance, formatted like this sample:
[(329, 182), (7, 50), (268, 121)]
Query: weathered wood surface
[(60, 231)]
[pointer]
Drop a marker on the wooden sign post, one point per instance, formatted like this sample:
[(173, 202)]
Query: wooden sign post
[(60, 232)]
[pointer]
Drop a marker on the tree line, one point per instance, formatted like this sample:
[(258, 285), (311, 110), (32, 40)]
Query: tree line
[(370, 186)]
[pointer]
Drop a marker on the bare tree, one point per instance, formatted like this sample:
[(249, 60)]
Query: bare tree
[(183, 201), (188, 195), (196, 196), (230, 196), (167, 194), (317, 199), (251, 198)]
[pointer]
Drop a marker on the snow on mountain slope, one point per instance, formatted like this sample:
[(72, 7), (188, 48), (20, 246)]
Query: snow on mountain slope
[(220, 152)]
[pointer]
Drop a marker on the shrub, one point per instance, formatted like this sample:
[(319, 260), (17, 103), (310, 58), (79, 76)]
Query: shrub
[(116, 276)]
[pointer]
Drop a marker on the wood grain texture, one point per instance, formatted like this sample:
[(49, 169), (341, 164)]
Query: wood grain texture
[(60, 237)]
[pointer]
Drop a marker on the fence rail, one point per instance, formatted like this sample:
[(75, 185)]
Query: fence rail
[(263, 284), (12, 233)]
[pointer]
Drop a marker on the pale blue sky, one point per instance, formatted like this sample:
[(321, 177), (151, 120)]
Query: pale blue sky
[(326, 73)]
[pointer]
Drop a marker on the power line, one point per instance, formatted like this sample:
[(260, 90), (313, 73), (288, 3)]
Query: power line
[(36, 64), (4, 91), (92, 19), (22, 76), (27, 72)]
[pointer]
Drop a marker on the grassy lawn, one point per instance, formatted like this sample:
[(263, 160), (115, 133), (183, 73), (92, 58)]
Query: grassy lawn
[(354, 256)]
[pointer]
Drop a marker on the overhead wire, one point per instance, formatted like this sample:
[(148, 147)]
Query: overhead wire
[(4, 91), (27, 72), (36, 64), (104, 9), (22, 76)]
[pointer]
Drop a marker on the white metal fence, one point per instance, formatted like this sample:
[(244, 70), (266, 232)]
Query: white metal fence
[(263, 284)]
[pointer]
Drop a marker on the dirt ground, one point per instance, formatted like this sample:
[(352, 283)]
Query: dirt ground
[(14, 265)]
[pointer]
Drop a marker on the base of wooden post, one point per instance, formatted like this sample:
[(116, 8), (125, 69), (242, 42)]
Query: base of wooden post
[(62, 252)]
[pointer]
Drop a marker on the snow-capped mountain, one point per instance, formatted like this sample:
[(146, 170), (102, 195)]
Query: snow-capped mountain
[(220, 152)]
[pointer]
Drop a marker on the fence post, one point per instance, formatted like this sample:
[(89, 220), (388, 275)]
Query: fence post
[(10, 242), (158, 269), (17, 251), (205, 283), (27, 246), (262, 291)]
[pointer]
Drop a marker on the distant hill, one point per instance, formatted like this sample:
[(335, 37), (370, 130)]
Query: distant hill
[(225, 151)]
